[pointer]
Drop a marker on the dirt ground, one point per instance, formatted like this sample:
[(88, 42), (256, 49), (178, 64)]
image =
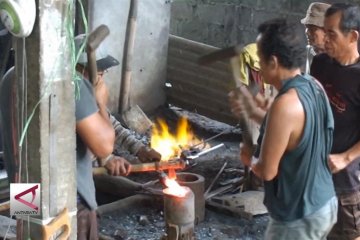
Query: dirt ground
[(144, 222), (216, 226)]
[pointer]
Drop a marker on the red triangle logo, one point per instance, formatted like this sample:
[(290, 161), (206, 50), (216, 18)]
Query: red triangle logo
[(29, 204)]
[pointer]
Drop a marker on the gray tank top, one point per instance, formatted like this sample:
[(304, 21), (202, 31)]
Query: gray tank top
[(304, 182)]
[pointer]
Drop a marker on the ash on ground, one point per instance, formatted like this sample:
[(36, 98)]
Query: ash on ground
[(146, 223)]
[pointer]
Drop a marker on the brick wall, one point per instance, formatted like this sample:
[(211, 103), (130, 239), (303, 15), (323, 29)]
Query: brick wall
[(224, 23)]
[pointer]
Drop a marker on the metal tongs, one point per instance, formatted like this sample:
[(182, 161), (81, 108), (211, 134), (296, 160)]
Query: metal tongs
[(195, 153)]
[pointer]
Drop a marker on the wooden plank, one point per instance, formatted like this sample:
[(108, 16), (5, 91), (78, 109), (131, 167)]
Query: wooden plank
[(4, 206)]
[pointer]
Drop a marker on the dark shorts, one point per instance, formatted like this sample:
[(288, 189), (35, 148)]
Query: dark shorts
[(87, 228), (348, 224)]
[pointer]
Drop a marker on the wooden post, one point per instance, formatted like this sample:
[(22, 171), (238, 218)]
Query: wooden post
[(48, 151)]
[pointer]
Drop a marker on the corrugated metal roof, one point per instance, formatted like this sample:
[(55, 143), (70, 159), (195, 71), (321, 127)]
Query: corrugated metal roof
[(201, 89)]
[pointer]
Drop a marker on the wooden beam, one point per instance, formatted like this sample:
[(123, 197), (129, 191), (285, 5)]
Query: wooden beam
[(48, 151)]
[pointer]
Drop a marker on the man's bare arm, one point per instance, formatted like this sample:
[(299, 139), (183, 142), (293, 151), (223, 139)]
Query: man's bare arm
[(337, 162), (255, 107), (284, 127), (97, 134)]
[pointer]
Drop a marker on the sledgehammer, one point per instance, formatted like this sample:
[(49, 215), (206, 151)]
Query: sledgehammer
[(94, 40)]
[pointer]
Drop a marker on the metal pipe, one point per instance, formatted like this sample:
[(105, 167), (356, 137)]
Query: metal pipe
[(205, 151), (196, 183)]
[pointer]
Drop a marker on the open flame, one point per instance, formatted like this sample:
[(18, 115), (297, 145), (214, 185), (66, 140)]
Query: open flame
[(170, 145), (173, 188)]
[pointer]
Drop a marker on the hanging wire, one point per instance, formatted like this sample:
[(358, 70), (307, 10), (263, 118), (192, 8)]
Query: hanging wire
[(24, 123), (25, 85), (76, 55)]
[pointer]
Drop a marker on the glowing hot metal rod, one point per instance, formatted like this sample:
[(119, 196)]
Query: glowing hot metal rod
[(186, 159)]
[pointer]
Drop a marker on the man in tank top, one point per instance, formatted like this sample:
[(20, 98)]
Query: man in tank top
[(295, 140)]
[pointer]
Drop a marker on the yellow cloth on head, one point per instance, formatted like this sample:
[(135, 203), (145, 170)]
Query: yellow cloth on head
[(248, 58)]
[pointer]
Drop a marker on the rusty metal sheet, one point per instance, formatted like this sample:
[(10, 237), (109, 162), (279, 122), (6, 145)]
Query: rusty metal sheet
[(201, 89)]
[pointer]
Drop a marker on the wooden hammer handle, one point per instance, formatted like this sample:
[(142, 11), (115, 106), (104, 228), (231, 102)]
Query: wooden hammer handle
[(93, 41), (147, 167)]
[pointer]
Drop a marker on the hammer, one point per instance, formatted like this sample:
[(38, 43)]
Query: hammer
[(231, 53), (221, 54), (93, 41)]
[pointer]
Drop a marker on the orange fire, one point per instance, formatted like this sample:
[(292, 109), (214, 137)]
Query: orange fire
[(174, 189), (169, 145)]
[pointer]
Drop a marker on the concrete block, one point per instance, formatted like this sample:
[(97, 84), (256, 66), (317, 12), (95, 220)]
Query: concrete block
[(229, 18), (217, 35), (300, 6), (250, 3), (245, 36), (194, 30), (211, 13), (243, 15), (261, 16), (276, 5), (226, 22), (181, 10)]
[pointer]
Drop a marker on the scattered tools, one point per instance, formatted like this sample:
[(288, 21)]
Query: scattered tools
[(215, 179), (93, 42), (194, 153), (246, 204), (223, 190)]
